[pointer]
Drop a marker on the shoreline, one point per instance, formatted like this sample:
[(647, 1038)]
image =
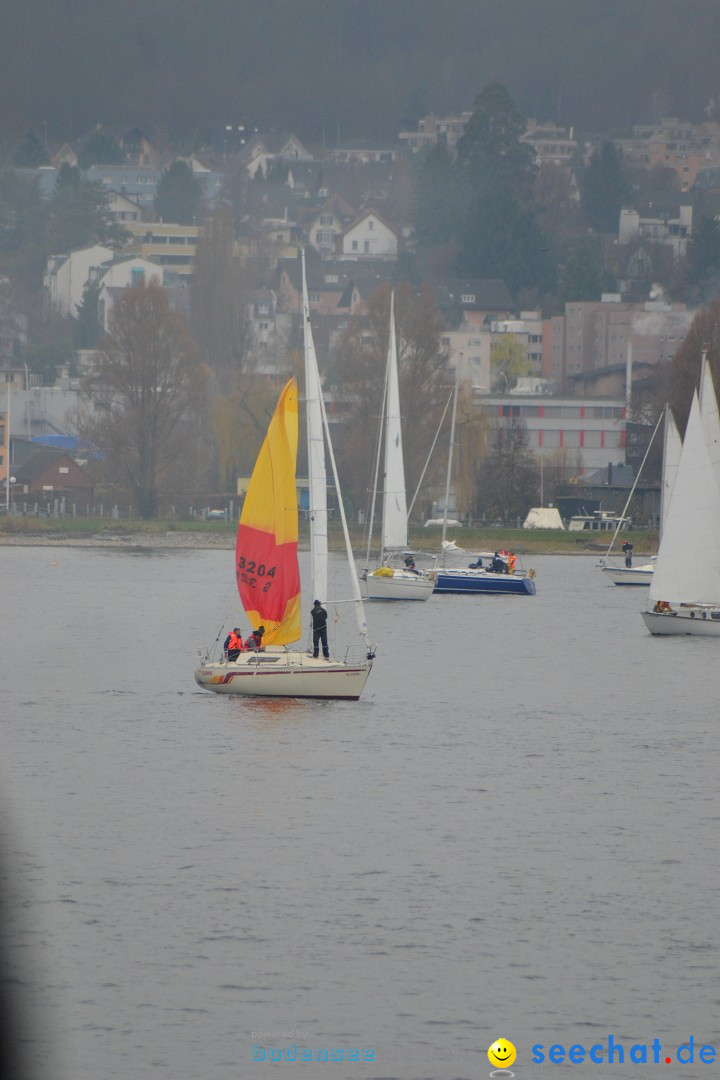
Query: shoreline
[(191, 541)]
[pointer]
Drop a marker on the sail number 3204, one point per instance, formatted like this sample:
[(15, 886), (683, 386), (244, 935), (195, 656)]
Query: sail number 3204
[(252, 573)]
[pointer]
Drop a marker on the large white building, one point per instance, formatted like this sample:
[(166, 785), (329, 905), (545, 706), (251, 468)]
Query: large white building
[(584, 434)]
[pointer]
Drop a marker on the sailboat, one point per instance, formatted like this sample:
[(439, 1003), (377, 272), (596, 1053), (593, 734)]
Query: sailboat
[(266, 562), (475, 579), (642, 575), (685, 590), (391, 581)]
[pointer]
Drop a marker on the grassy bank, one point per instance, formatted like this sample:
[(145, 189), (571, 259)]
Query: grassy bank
[(522, 541)]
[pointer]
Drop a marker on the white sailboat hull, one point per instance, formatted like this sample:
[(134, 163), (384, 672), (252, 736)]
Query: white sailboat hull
[(284, 674), (629, 575), (399, 585), (696, 622)]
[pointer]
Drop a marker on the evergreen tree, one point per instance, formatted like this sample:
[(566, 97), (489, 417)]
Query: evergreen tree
[(582, 276), (87, 323), (434, 209), (704, 260), (491, 154), (179, 197), (100, 148), (31, 152), (496, 228), (79, 214), (605, 188)]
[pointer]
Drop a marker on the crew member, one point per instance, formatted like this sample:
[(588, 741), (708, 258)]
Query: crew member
[(319, 626), (234, 644), (255, 639), (628, 549)]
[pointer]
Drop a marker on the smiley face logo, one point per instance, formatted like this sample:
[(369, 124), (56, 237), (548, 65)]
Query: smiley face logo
[(502, 1054)]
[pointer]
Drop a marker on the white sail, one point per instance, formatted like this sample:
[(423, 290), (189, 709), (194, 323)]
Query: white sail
[(688, 563), (316, 458), (711, 418), (395, 528), (671, 459)]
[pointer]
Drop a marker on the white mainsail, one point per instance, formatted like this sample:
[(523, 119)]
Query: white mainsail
[(316, 458), (710, 415), (672, 449), (395, 525), (688, 563)]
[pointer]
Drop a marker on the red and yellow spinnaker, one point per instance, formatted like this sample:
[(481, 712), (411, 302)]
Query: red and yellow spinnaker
[(266, 562)]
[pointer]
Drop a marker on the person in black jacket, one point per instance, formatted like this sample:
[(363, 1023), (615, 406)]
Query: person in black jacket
[(319, 625), (628, 549)]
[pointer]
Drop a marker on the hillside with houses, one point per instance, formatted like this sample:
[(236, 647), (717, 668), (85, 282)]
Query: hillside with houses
[(560, 291)]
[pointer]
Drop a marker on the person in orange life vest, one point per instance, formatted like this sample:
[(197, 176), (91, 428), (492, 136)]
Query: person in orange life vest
[(512, 560), (233, 644), (255, 639)]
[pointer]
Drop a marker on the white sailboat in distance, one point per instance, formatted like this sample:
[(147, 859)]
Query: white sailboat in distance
[(396, 578)]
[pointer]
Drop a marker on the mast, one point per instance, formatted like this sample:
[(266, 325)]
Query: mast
[(450, 457), (316, 456)]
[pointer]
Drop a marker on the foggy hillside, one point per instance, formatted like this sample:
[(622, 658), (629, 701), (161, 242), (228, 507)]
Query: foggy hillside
[(339, 69)]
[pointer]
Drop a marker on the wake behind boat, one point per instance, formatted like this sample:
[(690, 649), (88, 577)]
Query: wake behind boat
[(266, 563)]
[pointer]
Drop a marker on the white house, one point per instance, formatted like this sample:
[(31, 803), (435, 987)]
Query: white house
[(67, 275), (263, 150), (674, 230), (123, 209), (369, 237)]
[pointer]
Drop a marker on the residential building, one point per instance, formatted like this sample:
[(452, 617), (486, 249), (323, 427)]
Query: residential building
[(174, 247), (576, 434), (528, 329), (43, 473), (123, 209), (596, 335), (368, 237), (432, 128), (67, 275), (324, 226), (264, 149), (678, 145), (551, 142), (362, 152), (672, 229), (472, 300), (138, 183), (469, 355)]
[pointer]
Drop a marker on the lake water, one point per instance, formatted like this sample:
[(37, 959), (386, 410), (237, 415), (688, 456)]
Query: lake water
[(514, 833)]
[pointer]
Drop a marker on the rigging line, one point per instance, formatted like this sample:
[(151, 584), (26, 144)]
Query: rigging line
[(359, 610), (632, 489), (437, 433)]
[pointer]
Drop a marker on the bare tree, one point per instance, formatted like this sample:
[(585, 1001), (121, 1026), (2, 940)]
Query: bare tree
[(147, 386)]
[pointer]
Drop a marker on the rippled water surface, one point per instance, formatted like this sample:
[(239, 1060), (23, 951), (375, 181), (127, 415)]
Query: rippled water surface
[(514, 832)]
